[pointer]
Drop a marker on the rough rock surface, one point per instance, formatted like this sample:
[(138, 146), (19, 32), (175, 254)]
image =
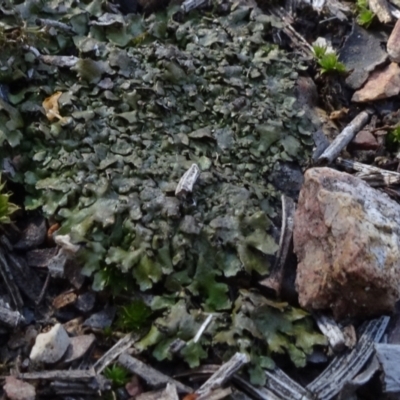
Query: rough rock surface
[(393, 44), (50, 346), (347, 240), (380, 85)]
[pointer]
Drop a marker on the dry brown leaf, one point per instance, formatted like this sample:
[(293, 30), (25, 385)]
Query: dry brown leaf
[(50, 105)]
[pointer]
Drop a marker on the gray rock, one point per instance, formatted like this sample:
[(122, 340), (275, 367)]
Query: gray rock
[(347, 241), (33, 235), (49, 347), (102, 319), (85, 302), (357, 59), (79, 345)]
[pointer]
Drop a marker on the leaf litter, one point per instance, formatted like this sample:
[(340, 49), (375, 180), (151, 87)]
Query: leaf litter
[(145, 99)]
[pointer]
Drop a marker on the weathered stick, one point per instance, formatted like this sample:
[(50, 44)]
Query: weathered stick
[(150, 375), (284, 386), (275, 279), (62, 375), (223, 373), (331, 330), (118, 348), (368, 172), (343, 139)]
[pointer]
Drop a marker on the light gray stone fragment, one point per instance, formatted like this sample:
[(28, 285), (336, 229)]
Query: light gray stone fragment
[(50, 346)]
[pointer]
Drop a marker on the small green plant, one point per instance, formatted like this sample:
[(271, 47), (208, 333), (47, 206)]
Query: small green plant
[(133, 316), (365, 15), (119, 376), (393, 138), (6, 207), (329, 62), (319, 51)]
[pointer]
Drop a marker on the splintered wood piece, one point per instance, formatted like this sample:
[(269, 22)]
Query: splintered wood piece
[(12, 288), (275, 279), (122, 345), (149, 374), (284, 386), (62, 375), (347, 365), (389, 358), (373, 175), (331, 330), (10, 318), (222, 375), (169, 393), (343, 139), (187, 181)]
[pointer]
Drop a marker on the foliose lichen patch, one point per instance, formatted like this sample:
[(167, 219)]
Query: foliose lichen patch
[(142, 99)]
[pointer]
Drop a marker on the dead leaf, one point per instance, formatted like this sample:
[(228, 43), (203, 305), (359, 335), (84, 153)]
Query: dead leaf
[(50, 105)]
